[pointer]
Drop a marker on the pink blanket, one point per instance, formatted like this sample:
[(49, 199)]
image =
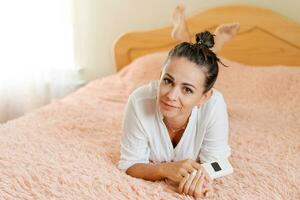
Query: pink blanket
[(70, 148)]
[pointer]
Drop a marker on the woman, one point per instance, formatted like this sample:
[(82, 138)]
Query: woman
[(174, 124)]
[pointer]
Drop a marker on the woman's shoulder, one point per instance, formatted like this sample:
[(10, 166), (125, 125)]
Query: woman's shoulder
[(212, 107), (217, 95), (147, 91), (216, 100), (143, 100)]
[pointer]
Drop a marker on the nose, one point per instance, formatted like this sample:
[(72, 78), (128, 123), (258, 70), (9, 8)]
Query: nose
[(172, 95)]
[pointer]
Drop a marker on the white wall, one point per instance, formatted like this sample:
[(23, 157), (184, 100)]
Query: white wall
[(99, 22)]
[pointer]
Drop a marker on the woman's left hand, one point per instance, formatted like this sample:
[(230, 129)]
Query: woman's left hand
[(197, 184)]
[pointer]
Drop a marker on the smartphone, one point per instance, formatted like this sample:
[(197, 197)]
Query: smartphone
[(218, 168)]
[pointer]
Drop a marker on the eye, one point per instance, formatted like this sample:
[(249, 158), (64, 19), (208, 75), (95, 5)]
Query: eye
[(187, 90), (167, 81)]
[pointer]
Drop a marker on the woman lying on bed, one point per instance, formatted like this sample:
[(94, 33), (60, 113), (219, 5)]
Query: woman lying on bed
[(173, 124)]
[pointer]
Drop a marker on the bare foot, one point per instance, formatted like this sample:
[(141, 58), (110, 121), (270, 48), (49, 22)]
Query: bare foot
[(224, 33), (180, 30)]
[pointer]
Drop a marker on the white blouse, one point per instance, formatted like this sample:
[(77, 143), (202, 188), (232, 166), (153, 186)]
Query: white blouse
[(146, 139)]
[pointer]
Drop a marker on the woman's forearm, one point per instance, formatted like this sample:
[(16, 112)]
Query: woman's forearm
[(150, 172)]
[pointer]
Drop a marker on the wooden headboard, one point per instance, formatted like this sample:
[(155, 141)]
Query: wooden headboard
[(265, 37)]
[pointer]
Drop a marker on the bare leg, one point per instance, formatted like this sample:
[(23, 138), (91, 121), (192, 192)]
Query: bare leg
[(180, 30), (224, 33)]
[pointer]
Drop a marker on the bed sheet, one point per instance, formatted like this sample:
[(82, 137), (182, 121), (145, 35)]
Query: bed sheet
[(69, 149)]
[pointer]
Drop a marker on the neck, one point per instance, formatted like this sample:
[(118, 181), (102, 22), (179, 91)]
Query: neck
[(176, 124)]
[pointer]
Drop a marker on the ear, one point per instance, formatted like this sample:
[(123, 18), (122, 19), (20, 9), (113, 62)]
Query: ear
[(205, 97), (180, 30), (224, 33)]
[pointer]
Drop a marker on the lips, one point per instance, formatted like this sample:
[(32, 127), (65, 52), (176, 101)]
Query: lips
[(168, 105)]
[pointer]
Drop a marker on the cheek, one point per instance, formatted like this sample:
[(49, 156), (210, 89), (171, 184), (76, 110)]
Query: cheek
[(189, 102), (163, 90)]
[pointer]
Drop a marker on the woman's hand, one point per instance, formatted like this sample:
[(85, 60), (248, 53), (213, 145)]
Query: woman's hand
[(176, 171), (197, 184)]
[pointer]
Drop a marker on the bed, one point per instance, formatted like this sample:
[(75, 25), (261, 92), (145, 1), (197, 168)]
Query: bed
[(69, 149)]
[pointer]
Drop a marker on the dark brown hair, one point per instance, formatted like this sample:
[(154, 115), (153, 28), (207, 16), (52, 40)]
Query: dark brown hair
[(201, 54)]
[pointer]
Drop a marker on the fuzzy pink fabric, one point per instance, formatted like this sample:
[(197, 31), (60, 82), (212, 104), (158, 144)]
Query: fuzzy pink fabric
[(69, 149)]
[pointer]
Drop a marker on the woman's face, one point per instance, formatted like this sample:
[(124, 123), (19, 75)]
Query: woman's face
[(181, 88)]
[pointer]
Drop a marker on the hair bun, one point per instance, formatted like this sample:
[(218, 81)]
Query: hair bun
[(205, 38)]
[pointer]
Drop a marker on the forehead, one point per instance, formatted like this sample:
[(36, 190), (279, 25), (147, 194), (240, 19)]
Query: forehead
[(183, 70)]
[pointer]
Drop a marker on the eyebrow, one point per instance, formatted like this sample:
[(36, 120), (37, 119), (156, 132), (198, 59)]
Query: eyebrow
[(188, 84)]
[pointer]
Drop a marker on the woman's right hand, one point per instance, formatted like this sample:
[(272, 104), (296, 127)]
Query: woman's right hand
[(176, 171)]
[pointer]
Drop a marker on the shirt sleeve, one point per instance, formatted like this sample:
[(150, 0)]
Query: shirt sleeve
[(215, 143), (134, 142)]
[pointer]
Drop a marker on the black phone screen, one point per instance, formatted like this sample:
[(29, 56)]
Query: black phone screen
[(216, 166)]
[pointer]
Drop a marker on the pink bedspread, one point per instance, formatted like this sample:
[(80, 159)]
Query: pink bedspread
[(70, 148)]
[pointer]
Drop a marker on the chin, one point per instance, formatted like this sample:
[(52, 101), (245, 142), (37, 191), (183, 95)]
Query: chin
[(168, 113)]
